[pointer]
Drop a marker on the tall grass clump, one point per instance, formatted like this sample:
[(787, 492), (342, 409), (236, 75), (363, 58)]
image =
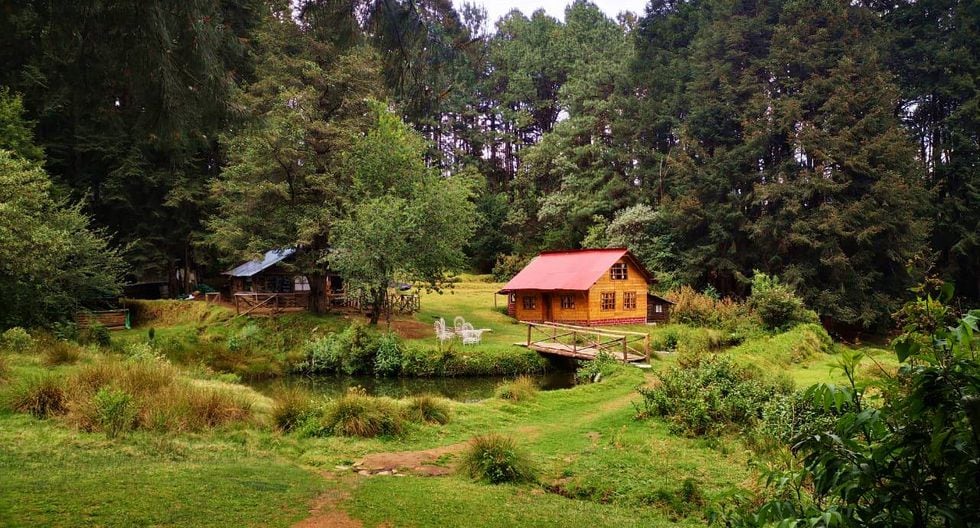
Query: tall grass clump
[(357, 414), (496, 459), (40, 395), (426, 408), (291, 408), (115, 411), (520, 389), (58, 352), (4, 368), (16, 340)]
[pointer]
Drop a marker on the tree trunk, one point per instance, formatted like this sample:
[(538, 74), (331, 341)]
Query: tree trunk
[(377, 304), (317, 304)]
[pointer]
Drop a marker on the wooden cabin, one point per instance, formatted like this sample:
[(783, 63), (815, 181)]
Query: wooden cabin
[(269, 284), (590, 287)]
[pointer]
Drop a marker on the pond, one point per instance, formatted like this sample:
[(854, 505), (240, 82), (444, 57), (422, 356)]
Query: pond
[(459, 389)]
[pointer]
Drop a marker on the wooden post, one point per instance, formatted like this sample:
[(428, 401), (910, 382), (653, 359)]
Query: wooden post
[(646, 347), (624, 351), (529, 334)]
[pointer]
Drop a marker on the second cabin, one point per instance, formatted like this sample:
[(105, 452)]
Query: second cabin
[(583, 287)]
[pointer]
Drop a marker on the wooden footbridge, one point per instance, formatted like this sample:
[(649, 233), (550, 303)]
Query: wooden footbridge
[(580, 342)]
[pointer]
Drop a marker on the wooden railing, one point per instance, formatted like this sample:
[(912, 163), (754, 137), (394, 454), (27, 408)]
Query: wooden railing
[(580, 340), (249, 302)]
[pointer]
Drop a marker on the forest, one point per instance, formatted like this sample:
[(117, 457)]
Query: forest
[(833, 144), (789, 338)]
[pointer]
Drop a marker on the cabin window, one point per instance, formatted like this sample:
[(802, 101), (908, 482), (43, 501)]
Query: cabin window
[(301, 283), (513, 298), (659, 308), (629, 300), (618, 271), (567, 302), (607, 301), (530, 302)]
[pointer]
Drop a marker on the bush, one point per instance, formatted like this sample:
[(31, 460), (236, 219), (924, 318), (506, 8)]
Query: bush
[(777, 304), (95, 334), (357, 414), (521, 389), (244, 338), (388, 358), (496, 459), (794, 416), (427, 409), (16, 340), (351, 351), (507, 266), (592, 371), (709, 397), (421, 361), (39, 395), (291, 409), (65, 330), (57, 352), (115, 411)]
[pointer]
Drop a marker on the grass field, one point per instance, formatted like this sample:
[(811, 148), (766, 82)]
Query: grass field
[(596, 464)]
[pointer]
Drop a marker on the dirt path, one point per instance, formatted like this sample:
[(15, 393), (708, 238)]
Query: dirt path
[(424, 462), (325, 511)]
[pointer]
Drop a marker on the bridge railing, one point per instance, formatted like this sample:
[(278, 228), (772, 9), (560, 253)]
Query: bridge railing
[(580, 338)]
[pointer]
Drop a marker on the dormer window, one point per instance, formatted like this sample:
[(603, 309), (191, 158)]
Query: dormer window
[(618, 271)]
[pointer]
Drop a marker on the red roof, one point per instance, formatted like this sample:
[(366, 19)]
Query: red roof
[(571, 270)]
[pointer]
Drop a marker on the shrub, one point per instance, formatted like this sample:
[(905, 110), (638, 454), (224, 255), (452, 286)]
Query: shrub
[(427, 409), (39, 395), (95, 334), (520, 389), (357, 414), (351, 351), (388, 358), (777, 304), (244, 338), (143, 352), (496, 459), (115, 411), (592, 371), (57, 352), (507, 266), (65, 330), (421, 361), (291, 408), (708, 397), (795, 416), (16, 340)]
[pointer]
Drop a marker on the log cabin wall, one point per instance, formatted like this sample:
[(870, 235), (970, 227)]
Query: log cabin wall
[(634, 283)]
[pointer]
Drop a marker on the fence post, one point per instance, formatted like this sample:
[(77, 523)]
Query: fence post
[(529, 334), (646, 347), (624, 351)]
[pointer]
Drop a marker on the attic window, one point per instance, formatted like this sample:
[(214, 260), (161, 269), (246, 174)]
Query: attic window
[(618, 271)]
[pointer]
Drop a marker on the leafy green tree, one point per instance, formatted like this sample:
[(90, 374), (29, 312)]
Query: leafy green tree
[(404, 221), (282, 186), (909, 460)]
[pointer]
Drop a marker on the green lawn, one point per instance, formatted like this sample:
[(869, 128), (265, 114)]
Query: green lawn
[(596, 464)]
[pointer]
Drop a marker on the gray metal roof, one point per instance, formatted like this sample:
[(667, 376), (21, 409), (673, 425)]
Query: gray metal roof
[(271, 258)]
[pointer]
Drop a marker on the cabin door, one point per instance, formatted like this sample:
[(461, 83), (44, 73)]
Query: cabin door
[(546, 307)]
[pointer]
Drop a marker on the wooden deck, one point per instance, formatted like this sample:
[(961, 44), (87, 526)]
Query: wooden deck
[(583, 343)]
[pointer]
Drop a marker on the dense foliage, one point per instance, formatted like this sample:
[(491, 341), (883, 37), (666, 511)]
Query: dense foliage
[(830, 144), (903, 454)]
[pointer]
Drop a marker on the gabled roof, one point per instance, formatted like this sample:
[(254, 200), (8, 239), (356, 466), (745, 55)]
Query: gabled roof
[(570, 270), (659, 298), (271, 258)]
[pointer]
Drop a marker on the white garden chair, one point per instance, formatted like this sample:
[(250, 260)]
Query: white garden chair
[(471, 336), (441, 332), (458, 324)]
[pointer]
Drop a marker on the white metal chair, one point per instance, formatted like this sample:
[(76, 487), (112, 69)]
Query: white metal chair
[(471, 336), (458, 323), (441, 332)]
